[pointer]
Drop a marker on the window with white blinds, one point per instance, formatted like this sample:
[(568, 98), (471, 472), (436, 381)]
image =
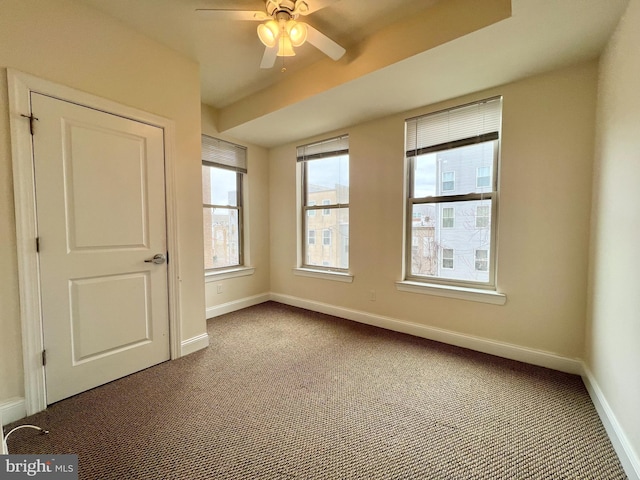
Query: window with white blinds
[(465, 125), (224, 165), (224, 154), (452, 164)]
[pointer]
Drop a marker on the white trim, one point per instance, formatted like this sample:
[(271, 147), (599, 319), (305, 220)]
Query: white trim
[(20, 87), (11, 410), (194, 344), (214, 276), (449, 291), (628, 458), (485, 345), (324, 274), (217, 310)]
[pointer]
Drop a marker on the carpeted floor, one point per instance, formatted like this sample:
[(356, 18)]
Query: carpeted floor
[(284, 393)]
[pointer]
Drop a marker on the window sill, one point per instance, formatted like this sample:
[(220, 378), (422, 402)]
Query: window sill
[(325, 274), (214, 276), (461, 293)]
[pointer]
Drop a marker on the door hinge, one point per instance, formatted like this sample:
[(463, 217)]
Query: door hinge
[(37, 244), (31, 120), (167, 258), (44, 358)]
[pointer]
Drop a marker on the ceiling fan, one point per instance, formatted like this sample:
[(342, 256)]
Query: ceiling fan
[(280, 30)]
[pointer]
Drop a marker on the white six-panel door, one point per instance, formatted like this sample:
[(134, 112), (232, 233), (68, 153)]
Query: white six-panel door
[(100, 204)]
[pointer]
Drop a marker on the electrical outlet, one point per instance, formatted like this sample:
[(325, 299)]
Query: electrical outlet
[(219, 288), (372, 295)]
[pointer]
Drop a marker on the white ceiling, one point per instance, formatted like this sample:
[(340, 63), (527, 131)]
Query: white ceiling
[(540, 35)]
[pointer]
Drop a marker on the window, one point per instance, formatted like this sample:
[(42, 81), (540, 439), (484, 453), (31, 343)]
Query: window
[(325, 186), (448, 181), (483, 216), (223, 166), (448, 217), (312, 237), (483, 176), (482, 260), (326, 237), (326, 211), (452, 160), (447, 258)]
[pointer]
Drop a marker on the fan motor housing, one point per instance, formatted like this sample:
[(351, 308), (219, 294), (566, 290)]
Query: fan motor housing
[(284, 6)]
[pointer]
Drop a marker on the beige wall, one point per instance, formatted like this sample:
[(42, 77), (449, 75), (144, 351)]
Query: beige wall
[(612, 349), (545, 178), (74, 45), (256, 223)]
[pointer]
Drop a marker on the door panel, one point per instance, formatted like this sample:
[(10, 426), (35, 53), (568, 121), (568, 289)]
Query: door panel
[(101, 213), (96, 157)]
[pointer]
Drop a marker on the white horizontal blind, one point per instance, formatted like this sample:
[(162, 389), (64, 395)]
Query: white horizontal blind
[(216, 152), (473, 123), (327, 148)]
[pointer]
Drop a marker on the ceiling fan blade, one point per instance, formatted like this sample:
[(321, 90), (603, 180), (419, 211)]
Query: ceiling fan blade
[(324, 43), (269, 57), (221, 14)]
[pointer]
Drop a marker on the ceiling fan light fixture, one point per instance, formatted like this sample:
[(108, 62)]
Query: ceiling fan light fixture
[(268, 33), (297, 32), (285, 48)]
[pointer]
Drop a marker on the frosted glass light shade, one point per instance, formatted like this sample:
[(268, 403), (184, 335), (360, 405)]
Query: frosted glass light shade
[(285, 49), (268, 33), (297, 32)]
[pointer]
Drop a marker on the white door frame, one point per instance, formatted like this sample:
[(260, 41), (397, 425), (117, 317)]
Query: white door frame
[(20, 87)]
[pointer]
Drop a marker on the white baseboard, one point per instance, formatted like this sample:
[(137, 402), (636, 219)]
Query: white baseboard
[(194, 344), (229, 307), (628, 458), (12, 409), (493, 347)]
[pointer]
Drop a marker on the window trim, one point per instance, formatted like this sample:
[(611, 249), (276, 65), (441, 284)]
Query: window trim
[(452, 291)]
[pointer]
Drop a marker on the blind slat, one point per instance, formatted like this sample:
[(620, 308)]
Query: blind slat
[(224, 154), (442, 128), (327, 148)]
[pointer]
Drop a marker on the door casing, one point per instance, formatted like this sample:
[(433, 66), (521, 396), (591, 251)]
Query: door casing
[(20, 87)]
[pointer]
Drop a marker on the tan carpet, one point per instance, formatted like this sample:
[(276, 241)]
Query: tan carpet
[(285, 393)]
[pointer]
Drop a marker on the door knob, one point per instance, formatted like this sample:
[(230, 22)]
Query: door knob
[(158, 259)]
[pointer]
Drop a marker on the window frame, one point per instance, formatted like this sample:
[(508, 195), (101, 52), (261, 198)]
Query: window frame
[(486, 193), (239, 167), (309, 209)]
